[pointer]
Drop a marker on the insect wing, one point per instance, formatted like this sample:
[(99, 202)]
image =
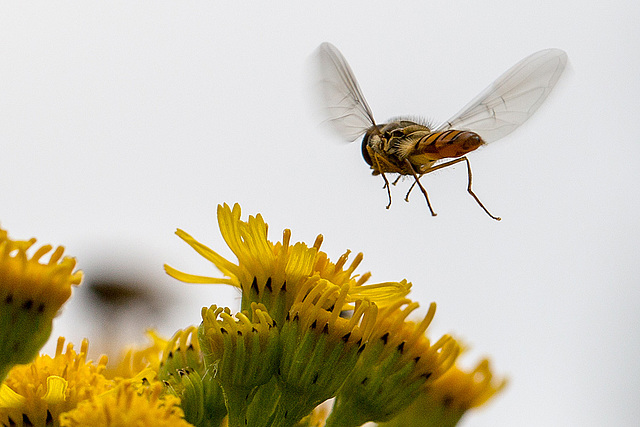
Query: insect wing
[(512, 98), (344, 105)]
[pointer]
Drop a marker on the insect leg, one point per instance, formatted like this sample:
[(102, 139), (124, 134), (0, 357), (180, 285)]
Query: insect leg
[(497, 218), (386, 184), (406, 198), (426, 196), (469, 190), (386, 181)]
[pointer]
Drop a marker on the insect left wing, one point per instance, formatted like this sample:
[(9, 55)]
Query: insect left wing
[(344, 105), (512, 98)]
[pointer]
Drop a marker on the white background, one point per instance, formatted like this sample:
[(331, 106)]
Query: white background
[(121, 122)]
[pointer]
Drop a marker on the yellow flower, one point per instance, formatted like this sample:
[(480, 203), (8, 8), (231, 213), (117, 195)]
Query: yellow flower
[(445, 401), (31, 294), (243, 352), (398, 363), (320, 348), (127, 406), (462, 390), (37, 393), (243, 349), (185, 375), (182, 351), (134, 360), (337, 335), (272, 273)]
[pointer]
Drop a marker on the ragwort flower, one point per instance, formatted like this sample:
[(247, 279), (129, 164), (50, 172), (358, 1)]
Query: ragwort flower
[(127, 406), (449, 397), (135, 360), (31, 294), (320, 348), (337, 336), (272, 273), (243, 352), (185, 375), (398, 362), (37, 393)]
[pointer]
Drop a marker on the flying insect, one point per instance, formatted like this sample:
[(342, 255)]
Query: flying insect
[(409, 148)]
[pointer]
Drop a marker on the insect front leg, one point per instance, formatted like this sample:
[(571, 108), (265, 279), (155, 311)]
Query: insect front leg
[(386, 185), (376, 158)]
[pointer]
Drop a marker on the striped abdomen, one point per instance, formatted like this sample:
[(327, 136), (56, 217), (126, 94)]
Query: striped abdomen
[(447, 144)]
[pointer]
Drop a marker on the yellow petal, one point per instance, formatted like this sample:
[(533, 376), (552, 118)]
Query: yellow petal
[(56, 390), (9, 398), (192, 278)]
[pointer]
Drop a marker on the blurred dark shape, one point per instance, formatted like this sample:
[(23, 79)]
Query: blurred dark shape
[(121, 297), (108, 293)]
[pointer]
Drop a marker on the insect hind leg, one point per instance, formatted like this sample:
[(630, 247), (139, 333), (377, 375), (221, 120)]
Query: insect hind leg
[(469, 190)]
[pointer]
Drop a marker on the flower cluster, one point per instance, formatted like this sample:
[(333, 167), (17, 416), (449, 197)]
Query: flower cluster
[(308, 330), (317, 331)]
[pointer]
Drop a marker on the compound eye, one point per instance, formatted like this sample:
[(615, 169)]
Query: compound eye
[(365, 150)]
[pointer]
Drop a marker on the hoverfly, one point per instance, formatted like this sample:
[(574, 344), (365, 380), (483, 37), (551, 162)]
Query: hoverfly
[(406, 147)]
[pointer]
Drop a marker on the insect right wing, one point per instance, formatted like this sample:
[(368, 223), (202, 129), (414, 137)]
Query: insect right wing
[(344, 105), (512, 98)]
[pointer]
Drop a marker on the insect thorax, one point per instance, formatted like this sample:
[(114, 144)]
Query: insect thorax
[(391, 144)]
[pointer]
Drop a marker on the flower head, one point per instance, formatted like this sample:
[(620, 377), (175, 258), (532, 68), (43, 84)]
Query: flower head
[(39, 392), (182, 351), (320, 348), (128, 406), (243, 352), (272, 273), (185, 375), (398, 363), (449, 397), (462, 390), (31, 294), (135, 360)]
